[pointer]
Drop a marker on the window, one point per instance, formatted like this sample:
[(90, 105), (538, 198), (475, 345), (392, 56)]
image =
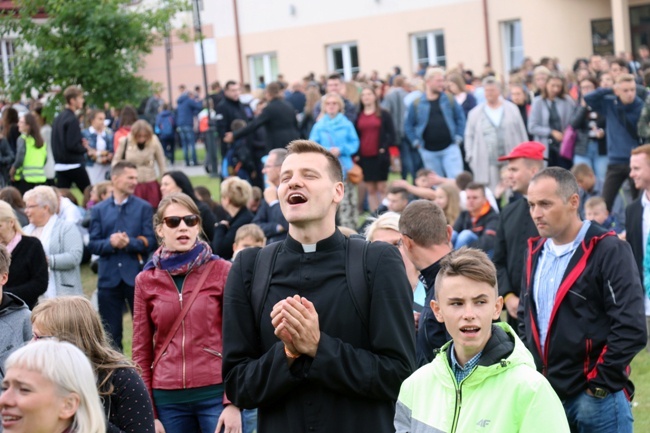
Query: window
[(429, 49), (262, 65), (7, 53), (513, 45), (344, 59)]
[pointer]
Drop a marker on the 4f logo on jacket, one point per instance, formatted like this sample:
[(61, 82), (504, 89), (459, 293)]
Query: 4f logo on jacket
[(483, 423)]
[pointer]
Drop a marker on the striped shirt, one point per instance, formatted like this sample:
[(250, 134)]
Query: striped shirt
[(553, 262), (462, 372)]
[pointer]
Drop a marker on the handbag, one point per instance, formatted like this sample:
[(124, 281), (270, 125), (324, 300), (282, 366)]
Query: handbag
[(567, 148), (184, 311), (355, 174)]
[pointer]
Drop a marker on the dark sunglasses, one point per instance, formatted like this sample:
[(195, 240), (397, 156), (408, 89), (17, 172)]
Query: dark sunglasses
[(174, 221)]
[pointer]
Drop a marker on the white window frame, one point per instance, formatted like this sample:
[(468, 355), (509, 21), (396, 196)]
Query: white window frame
[(508, 48), (433, 57), (7, 55), (267, 72), (348, 69)]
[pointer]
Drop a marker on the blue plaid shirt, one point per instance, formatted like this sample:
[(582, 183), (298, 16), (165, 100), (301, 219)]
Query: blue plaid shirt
[(548, 277), (462, 372)]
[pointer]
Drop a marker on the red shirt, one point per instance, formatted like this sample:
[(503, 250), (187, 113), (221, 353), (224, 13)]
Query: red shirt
[(368, 126)]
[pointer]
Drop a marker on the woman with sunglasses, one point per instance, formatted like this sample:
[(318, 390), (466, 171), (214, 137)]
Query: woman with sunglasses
[(177, 325)]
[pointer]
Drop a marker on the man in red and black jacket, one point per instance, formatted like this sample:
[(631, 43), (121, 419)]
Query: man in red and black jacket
[(476, 227), (581, 307)]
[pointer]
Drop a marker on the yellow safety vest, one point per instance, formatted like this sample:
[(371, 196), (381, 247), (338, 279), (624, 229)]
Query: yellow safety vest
[(33, 169)]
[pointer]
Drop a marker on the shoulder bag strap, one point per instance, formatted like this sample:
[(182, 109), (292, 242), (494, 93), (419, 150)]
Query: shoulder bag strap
[(264, 263), (356, 275), (184, 312)]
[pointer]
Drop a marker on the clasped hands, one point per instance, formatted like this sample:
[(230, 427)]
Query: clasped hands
[(119, 240), (296, 324)]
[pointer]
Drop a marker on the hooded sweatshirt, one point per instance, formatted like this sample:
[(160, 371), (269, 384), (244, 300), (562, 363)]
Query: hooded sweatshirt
[(504, 393), (15, 326)]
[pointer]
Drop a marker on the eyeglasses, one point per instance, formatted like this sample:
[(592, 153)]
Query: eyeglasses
[(399, 243), (37, 337), (174, 221)]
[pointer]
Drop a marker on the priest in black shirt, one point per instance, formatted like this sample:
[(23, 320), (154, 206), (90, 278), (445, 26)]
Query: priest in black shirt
[(312, 363)]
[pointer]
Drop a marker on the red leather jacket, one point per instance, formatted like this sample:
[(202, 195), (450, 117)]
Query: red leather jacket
[(193, 357)]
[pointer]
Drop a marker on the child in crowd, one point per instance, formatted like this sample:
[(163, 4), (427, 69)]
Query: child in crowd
[(484, 359), (596, 211), (247, 236), (15, 323)]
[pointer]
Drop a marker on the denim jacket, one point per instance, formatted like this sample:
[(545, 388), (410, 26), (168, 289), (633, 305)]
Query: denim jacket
[(417, 119), (92, 142)]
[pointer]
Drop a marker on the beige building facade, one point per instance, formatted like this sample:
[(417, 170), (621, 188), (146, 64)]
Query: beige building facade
[(265, 38)]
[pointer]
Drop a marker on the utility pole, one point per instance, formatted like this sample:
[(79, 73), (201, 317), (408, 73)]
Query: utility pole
[(210, 144)]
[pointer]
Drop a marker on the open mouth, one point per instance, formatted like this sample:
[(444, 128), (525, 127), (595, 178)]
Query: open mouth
[(296, 198), (470, 330), (183, 238)]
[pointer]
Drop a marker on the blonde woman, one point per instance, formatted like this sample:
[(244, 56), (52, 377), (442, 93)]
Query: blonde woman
[(448, 198), (235, 193), (49, 387), (121, 389), (28, 270), (143, 148)]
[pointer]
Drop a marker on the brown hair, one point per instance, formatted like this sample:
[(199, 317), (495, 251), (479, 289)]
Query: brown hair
[(34, 129), (306, 146), (102, 187), (11, 195), (120, 166), (72, 92), (376, 104), (555, 76), (424, 222), (176, 198), (237, 190), (139, 127), (469, 263), (458, 81), (453, 202), (128, 116), (9, 118), (92, 114), (250, 230), (73, 319), (475, 186), (581, 170), (645, 149)]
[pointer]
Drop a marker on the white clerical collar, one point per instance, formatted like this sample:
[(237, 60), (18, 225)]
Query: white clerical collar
[(309, 248)]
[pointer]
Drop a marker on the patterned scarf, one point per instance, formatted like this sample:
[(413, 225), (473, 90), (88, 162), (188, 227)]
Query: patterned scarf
[(181, 263)]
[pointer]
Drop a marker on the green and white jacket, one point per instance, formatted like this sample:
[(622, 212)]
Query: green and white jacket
[(504, 393)]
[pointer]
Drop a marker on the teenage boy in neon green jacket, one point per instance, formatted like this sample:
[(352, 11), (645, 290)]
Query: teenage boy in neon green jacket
[(484, 380)]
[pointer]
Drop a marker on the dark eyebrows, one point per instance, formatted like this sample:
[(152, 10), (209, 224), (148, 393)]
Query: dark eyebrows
[(475, 298)]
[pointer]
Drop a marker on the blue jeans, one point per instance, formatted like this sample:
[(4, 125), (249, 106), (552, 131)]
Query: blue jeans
[(463, 239), (587, 414), (111, 310), (411, 161), (201, 416), (598, 163), (447, 162), (249, 420), (188, 141)]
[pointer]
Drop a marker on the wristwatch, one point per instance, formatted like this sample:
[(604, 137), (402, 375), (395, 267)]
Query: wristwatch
[(599, 392)]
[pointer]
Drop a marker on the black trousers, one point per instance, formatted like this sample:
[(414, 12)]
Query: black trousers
[(614, 178), (78, 176)]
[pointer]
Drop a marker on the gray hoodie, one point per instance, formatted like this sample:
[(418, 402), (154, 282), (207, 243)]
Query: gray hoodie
[(15, 326)]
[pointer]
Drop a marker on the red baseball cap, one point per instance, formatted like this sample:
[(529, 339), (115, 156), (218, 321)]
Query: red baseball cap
[(527, 149)]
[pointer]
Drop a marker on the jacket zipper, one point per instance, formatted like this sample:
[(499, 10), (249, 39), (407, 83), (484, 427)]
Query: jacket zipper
[(459, 403), (180, 300)]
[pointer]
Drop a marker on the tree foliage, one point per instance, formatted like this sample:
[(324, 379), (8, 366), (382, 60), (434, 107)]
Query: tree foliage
[(98, 44)]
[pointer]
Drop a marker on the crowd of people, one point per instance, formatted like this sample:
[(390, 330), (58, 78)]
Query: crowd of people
[(506, 254)]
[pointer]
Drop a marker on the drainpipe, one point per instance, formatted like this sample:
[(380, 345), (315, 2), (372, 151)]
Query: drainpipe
[(238, 39), (487, 33)]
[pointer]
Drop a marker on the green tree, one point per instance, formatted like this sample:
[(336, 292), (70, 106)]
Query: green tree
[(97, 44)]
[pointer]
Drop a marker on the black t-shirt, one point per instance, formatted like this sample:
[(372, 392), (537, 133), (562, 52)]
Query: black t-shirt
[(436, 135)]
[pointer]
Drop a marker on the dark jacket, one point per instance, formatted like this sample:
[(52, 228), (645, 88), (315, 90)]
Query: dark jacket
[(133, 217), (229, 110), (224, 236), (194, 356), (515, 228), (582, 122), (269, 218), (28, 271), (129, 397), (297, 100), (208, 220), (386, 132), (279, 120), (66, 139), (15, 326), (468, 103), (485, 227), (186, 109), (634, 229), (352, 383), (432, 335), (597, 325), (622, 121)]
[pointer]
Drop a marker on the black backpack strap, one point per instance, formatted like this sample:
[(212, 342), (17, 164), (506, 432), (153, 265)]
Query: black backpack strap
[(264, 263), (355, 272)]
